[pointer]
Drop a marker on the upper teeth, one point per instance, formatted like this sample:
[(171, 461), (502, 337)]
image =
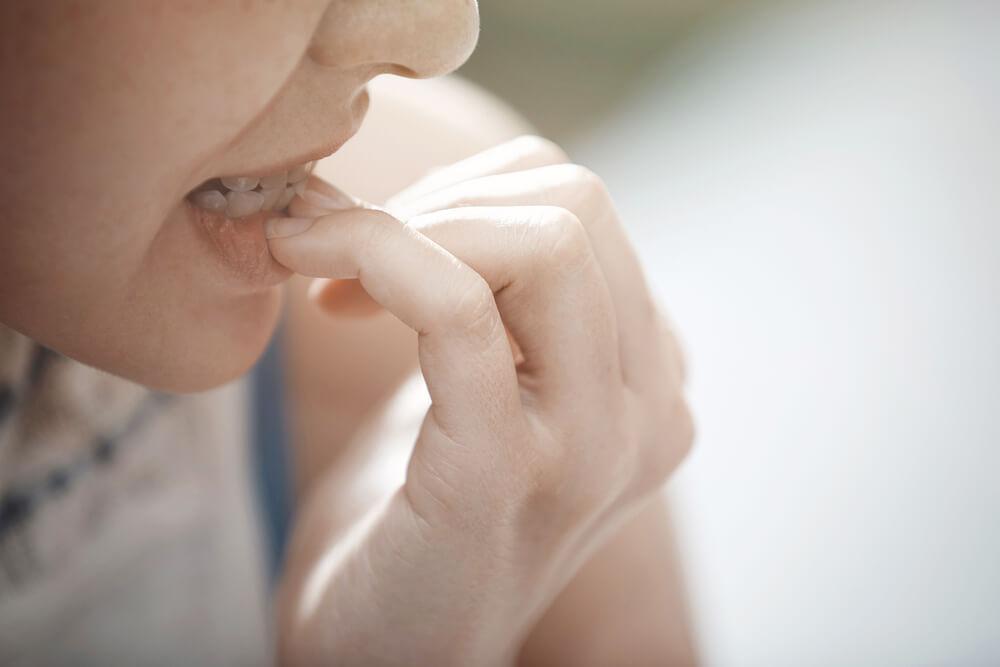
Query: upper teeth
[(242, 196)]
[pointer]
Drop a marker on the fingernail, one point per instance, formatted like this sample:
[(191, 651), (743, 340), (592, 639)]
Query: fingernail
[(327, 196), (279, 228)]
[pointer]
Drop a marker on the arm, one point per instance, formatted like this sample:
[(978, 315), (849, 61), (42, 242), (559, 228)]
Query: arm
[(626, 604)]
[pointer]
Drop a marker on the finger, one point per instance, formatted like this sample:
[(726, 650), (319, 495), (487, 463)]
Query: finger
[(344, 298), (348, 298), (581, 192), (527, 152), (464, 355), (548, 288)]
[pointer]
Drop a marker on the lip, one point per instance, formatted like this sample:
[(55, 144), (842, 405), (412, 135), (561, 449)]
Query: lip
[(241, 245), (359, 110)]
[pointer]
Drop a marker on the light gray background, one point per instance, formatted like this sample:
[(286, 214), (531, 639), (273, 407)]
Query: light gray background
[(815, 190)]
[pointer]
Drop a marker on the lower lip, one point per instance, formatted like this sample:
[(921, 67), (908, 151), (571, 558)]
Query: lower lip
[(241, 247)]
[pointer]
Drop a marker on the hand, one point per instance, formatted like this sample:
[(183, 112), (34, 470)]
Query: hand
[(523, 466)]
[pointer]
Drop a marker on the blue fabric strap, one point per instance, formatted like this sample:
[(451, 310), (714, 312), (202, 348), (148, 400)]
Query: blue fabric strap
[(271, 453)]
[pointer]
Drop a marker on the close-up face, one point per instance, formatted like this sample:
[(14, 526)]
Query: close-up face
[(146, 143)]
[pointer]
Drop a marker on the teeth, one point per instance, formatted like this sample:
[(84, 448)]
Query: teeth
[(274, 181), (271, 197), (242, 204), (212, 200), (285, 199), (241, 196), (298, 173), (240, 183)]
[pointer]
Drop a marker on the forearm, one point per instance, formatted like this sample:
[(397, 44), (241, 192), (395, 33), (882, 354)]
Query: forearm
[(627, 605)]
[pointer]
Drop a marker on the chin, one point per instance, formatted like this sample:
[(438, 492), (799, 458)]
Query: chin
[(197, 354)]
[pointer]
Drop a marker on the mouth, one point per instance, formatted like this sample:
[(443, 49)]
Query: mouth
[(230, 212), (242, 196)]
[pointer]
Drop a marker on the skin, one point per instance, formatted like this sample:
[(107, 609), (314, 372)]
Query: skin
[(149, 118), (507, 464), (536, 469)]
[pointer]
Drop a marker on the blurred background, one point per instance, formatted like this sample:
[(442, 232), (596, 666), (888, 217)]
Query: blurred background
[(815, 190)]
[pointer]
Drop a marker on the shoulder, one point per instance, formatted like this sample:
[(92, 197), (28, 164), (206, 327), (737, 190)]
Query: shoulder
[(414, 126)]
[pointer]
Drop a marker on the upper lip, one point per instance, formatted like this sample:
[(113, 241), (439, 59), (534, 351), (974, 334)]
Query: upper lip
[(324, 150)]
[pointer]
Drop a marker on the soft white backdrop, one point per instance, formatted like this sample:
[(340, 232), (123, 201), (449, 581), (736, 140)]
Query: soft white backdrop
[(815, 188)]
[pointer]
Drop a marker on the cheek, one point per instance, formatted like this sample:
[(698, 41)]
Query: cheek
[(121, 111), (194, 325), (166, 315)]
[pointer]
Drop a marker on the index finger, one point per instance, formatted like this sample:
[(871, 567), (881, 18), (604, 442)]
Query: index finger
[(463, 349)]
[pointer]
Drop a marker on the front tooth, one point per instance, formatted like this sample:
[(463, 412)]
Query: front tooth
[(298, 174), (241, 183), (271, 197), (299, 187), (285, 199), (212, 200), (274, 181), (242, 204)]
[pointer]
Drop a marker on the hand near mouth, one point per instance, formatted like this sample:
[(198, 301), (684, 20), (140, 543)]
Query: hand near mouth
[(520, 470)]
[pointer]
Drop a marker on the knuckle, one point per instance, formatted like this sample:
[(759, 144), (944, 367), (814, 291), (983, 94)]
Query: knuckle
[(585, 178), (546, 470), (552, 490), (566, 242), (591, 190), (548, 151), (473, 311), (571, 477)]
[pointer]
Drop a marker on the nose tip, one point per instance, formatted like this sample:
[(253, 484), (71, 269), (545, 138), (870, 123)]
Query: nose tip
[(413, 38), (453, 28)]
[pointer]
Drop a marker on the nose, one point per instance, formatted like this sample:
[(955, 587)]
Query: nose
[(413, 38)]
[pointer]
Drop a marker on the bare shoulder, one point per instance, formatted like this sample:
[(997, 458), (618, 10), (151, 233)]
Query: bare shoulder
[(414, 126)]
